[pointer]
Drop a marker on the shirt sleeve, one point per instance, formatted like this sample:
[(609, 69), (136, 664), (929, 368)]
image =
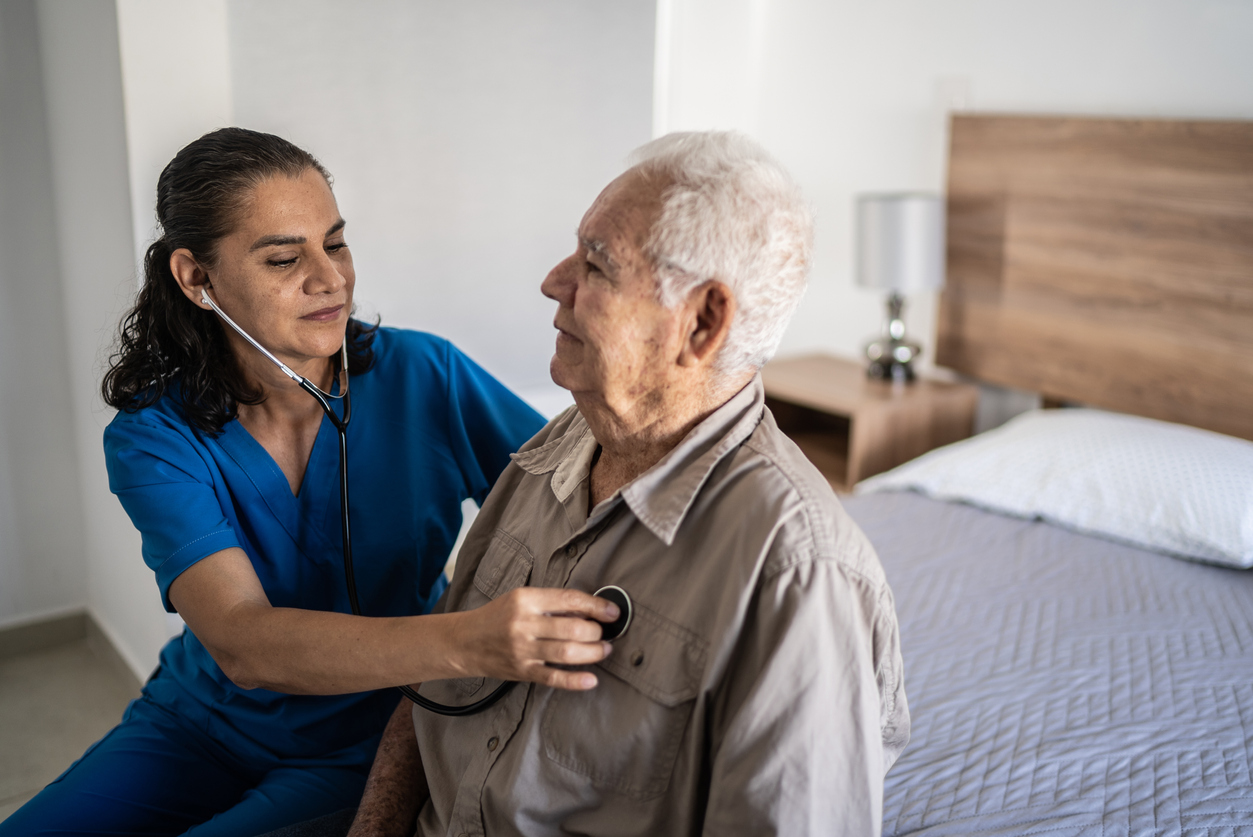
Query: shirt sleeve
[(797, 738), (166, 488), (486, 423)]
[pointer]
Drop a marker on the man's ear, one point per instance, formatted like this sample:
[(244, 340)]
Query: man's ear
[(189, 275), (711, 308)]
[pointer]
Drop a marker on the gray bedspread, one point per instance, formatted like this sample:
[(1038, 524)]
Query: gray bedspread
[(1061, 684)]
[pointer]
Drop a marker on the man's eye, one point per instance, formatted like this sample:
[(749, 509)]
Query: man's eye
[(282, 262), (335, 248)]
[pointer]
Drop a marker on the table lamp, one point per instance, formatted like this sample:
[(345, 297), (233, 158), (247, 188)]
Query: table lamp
[(900, 249)]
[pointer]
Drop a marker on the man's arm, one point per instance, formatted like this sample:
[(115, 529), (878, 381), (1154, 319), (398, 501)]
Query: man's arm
[(797, 732), (397, 785)]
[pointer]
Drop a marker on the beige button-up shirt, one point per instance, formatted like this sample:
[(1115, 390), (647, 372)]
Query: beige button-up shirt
[(757, 689)]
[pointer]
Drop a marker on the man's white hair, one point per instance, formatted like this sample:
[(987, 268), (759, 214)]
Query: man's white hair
[(729, 213)]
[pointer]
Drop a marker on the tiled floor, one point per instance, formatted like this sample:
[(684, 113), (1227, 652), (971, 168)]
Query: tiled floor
[(53, 704)]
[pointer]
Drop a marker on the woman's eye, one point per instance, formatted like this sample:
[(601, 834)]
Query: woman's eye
[(282, 262), (335, 248)]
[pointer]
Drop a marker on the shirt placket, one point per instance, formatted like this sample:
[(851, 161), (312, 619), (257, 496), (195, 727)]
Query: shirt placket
[(563, 561), (566, 557), (467, 817)]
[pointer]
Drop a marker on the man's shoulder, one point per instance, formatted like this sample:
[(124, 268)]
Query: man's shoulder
[(537, 454), (812, 524)]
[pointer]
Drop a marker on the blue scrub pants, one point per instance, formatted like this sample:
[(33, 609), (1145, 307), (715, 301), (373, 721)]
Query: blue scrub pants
[(154, 775)]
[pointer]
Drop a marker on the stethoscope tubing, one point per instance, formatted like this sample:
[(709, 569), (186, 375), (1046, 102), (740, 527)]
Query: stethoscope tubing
[(350, 578), (341, 428)]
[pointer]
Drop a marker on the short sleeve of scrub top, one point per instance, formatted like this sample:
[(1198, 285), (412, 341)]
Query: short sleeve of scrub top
[(429, 429)]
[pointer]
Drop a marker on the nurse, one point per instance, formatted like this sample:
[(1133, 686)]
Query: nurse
[(268, 709)]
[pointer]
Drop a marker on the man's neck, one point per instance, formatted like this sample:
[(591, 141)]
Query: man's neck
[(634, 439)]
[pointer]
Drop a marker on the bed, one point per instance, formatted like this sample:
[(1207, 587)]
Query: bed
[(1073, 588)]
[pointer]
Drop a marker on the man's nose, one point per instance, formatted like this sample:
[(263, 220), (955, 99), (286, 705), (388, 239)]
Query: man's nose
[(560, 282)]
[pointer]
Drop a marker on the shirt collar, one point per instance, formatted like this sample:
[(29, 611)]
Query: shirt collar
[(662, 495)]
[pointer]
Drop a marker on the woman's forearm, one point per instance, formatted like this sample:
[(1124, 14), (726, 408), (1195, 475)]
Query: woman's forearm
[(304, 651), (320, 653), (516, 637)]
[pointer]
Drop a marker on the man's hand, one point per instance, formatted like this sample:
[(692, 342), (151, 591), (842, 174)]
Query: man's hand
[(397, 785), (526, 633)]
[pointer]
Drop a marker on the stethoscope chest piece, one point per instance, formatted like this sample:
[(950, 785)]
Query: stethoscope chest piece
[(612, 630)]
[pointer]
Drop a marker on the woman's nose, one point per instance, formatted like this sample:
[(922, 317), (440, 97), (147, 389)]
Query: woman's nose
[(324, 277)]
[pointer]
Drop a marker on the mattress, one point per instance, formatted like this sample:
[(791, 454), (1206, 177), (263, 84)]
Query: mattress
[(1061, 684)]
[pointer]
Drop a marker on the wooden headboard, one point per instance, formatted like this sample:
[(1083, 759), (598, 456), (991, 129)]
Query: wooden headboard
[(1104, 261)]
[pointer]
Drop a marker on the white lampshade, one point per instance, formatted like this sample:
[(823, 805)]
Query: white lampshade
[(900, 242)]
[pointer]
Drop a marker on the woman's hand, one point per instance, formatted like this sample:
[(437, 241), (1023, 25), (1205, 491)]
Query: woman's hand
[(528, 632)]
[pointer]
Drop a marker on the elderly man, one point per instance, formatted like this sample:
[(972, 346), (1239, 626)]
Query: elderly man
[(757, 688)]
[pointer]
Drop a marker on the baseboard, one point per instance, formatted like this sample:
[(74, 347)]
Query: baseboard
[(58, 630), (44, 633), (104, 649)]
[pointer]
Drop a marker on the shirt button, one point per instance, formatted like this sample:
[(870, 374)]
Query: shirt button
[(637, 658), (492, 742), (571, 550)]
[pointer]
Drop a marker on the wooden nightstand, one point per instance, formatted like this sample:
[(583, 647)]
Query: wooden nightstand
[(853, 427)]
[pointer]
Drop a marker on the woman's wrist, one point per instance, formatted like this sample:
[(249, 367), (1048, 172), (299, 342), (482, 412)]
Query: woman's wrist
[(447, 654)]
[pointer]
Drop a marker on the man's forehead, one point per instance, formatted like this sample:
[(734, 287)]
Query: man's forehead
[(621, 216)]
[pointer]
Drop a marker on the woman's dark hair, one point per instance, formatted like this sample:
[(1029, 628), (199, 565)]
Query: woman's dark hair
[(168, 344)]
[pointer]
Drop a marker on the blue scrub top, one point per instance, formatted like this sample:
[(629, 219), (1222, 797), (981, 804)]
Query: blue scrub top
[(429, 428)]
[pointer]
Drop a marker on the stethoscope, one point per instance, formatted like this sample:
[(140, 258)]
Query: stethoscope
[(609, 630)]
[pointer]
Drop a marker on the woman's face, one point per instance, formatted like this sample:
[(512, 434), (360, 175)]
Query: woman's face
[(285, 274)]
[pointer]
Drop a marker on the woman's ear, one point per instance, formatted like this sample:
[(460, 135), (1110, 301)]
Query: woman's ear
[(189, 275), (711, 308)]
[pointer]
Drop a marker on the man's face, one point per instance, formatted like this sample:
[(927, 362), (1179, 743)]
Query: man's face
[(616, 343)]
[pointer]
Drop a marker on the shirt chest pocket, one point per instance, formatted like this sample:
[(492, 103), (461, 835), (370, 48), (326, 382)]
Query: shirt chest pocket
[(625, 734), (506, 565)]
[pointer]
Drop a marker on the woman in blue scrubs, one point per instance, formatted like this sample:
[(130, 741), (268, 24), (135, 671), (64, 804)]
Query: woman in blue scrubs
[(267, 710)]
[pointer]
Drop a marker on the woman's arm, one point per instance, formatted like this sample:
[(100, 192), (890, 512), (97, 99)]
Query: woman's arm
[(514, 637)]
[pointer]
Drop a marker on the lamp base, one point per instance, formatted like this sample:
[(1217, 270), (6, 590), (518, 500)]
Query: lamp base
[(892, 360)]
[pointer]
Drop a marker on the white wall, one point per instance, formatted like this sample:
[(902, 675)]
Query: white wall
[(42, 564), (91, 190), (853, 96), (466, 141), (176, 86)]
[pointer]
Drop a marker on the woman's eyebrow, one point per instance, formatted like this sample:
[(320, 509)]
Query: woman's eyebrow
[(279, 240), (276, 240)]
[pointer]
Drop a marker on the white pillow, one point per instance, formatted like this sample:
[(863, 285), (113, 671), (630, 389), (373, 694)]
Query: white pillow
[(1166, 487)]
